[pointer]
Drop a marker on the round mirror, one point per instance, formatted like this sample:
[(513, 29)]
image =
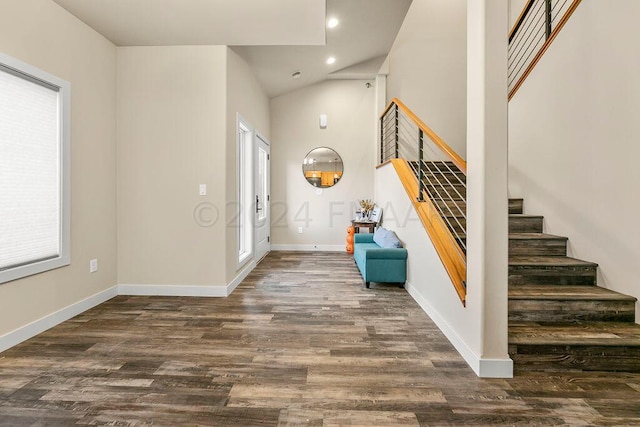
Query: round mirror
[(322, 167)]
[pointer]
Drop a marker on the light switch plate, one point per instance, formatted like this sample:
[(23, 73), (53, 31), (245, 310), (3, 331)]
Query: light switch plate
[(93, 265), (203, 189)]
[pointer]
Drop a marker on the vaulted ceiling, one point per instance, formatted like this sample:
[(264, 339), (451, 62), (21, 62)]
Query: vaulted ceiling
[(276, 37)]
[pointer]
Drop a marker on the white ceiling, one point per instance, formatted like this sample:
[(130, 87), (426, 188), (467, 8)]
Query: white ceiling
[(203, 22), (276, 37), (360, 43)]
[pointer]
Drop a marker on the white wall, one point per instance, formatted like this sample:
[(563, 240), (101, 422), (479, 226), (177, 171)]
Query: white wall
[(427, 279), (41, 33), (515, 8), (246, 97), (479, 330), (427, 67), (487, 199), (295, 131), (171, 138), (573, 131)]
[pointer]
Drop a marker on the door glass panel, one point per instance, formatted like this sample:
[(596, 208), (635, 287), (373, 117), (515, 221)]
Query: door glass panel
[(262, 186)]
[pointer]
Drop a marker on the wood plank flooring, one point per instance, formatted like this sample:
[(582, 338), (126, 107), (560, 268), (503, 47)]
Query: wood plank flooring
[(300, 342)]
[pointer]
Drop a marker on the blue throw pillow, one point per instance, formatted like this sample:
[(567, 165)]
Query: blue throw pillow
[(391, 241), (380, 235)]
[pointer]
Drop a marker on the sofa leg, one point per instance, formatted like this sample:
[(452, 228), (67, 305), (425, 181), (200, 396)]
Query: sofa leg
[(401, 285), (366, 284)]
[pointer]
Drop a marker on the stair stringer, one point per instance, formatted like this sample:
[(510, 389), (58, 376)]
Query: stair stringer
[(455, 262)]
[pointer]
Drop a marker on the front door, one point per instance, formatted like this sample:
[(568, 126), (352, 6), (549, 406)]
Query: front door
[(262, 207)]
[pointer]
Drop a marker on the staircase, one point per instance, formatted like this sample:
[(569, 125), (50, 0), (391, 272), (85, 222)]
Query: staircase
[(558, 317)]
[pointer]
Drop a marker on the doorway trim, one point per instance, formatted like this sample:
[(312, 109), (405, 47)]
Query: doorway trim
[(262, 190), (244, 192)]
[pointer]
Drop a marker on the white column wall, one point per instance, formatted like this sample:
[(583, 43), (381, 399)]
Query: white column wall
[(487, 209)]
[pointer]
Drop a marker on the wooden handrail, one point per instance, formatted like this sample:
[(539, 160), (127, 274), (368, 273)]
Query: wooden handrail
[(455, 263), (439, 142), (521, 17), (544, 47)]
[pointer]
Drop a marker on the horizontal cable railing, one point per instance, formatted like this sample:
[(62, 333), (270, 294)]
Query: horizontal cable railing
[(535, 29), (440, 172)]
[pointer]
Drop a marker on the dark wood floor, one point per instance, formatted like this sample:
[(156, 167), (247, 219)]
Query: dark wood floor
[(300, 342)]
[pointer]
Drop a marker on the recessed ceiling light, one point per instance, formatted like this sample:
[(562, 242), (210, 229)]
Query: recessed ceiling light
[(332, 23), (296, 74), (331, 60)]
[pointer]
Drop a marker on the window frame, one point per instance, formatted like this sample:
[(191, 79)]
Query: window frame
[(244, 183), (35, 75)]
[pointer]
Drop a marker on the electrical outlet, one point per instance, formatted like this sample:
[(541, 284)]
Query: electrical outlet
[(93, 265), (299, 230)]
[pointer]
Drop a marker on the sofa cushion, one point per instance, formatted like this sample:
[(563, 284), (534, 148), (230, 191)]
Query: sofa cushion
[(360, 251), (380, 235), (391, 241)]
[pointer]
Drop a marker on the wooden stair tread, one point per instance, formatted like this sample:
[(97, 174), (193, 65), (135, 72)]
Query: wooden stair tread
[(517, 215), (548, 261), (523, 236), (515, 206), (568, 293), (535, 236), (575, 334)]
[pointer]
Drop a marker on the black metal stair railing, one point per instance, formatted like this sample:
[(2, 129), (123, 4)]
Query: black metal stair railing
[(440, 172), (536, 26)]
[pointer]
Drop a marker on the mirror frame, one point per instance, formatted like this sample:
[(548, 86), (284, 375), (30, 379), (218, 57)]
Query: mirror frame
[(319, 174)]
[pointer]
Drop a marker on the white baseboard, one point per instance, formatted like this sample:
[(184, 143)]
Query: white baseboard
[(309, 248), (495, 368), (240, 277), (484, 368), (47, 322), (37, 327), (173, 290)]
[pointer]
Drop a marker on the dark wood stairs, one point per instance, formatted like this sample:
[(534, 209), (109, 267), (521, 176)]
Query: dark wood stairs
[(558, 317)]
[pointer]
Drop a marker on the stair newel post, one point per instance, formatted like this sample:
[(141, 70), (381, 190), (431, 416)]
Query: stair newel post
[(420, 157), (547, 17), (397, 130), (382, 139)]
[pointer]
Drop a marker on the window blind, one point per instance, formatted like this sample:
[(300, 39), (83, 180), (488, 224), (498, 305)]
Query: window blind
[(30, 187)]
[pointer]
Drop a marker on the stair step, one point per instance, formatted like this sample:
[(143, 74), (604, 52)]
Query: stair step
[(450, 171), (445, 177), (445, 191), (544, 303), (456, 230), (439, 184), (586, 346), (521, 223), (516, 206), (454, 205), (551, 270), (439, 172), (444, 166), (537, 244)]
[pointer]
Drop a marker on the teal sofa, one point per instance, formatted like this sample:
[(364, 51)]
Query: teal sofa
[(377, 264)]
